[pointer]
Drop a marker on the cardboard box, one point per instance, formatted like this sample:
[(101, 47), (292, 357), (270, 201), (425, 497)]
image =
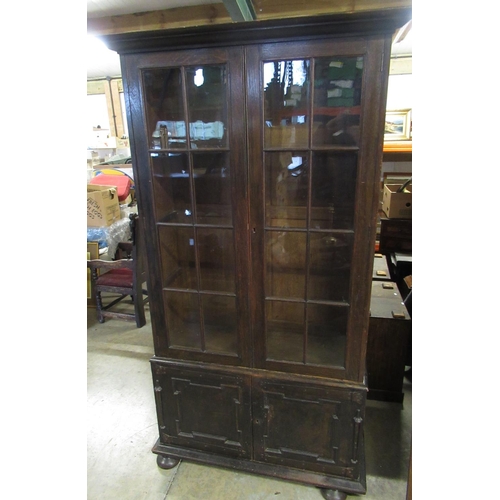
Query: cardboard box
[(397, 205), (102, 206)]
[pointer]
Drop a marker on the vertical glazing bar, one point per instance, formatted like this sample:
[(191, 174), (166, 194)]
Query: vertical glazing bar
[(193, 206), (310, 108), (188, 145)]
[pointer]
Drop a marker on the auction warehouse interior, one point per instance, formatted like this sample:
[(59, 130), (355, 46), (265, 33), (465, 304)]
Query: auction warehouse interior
[(249, 250)]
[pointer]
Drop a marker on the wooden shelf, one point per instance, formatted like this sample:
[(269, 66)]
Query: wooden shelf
[(397, 151), (398, 147)]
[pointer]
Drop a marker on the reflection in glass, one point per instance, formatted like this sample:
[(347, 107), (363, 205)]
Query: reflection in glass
[(286, 189), (337, 97), (213, 188), (285, 264), (284, 331), (286, 88), (219, 321), (330, 266), (333, 190), (171, 187), (326, 334), (166, 123), (207, 98), (183, 319), (177, 257), (217, 264)]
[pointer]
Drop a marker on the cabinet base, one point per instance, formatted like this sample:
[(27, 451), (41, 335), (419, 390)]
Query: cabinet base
[(332, 485), (165, 462), (386, 396), (333, 494)]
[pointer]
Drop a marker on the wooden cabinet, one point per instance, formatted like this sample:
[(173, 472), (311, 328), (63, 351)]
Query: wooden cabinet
[(389, 338), (256, 155)]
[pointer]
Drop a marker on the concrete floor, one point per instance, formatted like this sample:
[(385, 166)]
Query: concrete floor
[(122, 428)]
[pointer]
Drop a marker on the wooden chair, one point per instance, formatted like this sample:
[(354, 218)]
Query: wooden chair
[(122, 276)]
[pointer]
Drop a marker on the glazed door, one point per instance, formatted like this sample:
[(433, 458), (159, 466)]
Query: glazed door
[(261, 191), (313, 168), (193, 194)]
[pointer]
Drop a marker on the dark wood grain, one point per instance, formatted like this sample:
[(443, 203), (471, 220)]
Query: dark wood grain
[(389, 337), (367, 23), (232, 382)]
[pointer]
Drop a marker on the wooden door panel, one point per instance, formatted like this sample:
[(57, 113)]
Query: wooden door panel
[(308, 427), (203, 410)]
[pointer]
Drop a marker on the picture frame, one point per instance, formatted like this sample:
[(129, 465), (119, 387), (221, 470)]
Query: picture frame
[(397, 125)]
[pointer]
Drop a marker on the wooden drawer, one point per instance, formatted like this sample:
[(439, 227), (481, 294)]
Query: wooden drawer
[(395, 235)]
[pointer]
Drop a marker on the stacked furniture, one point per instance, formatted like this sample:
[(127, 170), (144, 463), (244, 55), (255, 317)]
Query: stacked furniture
[(389, 338)]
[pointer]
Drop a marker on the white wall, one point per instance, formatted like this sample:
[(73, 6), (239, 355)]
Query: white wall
[(400, 92), (399, 96)]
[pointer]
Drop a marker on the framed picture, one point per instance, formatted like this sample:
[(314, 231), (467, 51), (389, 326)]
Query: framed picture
[(92, 253), (398, 125)]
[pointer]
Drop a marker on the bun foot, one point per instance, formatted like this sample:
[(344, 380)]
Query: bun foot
[(165, 462), (333, 494)]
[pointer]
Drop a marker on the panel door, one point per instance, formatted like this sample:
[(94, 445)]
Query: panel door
[(314, 167), (192, 178), (309, 427), (203, 410)]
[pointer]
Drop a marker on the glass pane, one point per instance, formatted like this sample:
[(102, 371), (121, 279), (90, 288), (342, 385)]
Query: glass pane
[(183, 319), (178, 262), (164, 108), (207, 101), (286, 189), (219, 317), (285, 331), (326, 334), (217, 264), (285, 264), (286, 98), (172, 187), (213, 188), (337, 97), (330, 266), (333, 190)]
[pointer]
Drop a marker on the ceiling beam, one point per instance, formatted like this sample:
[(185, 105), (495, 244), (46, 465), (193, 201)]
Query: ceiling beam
[(180, 17), (274, 9), (217, 13), (240, 10)]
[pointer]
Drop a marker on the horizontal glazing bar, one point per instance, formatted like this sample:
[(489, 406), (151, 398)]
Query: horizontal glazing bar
[(301, 301), (280, 229), (201, 292), (204, 226), (314, 148)]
